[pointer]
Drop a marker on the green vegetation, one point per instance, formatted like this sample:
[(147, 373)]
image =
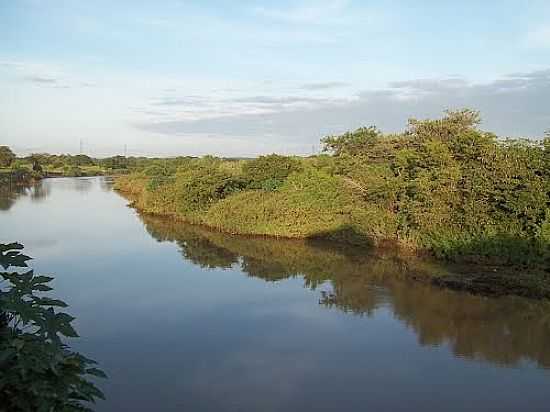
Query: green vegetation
[(23, 170), (442, 186), (6, 156), (39, 371)]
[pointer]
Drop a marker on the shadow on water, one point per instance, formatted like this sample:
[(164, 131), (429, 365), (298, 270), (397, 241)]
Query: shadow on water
[(503, 331), (347, 234)]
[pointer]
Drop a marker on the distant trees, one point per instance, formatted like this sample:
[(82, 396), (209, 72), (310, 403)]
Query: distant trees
[(114, 162), (81, 160), (6, 156)]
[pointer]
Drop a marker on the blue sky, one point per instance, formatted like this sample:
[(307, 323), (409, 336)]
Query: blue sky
[(251, 77)]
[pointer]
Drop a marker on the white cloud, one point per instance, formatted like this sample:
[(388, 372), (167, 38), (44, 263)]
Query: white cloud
[(323, 85), (43, 74), (513, 106)]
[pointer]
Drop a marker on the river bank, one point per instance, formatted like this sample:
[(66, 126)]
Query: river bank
[(442, 187), (18, 177), (488, 277)]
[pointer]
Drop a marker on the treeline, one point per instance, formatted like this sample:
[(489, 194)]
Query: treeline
[(441, 185), (38, 165)]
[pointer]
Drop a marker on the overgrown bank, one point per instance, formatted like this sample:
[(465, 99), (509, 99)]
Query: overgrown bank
[(442, 186), (317, 261)]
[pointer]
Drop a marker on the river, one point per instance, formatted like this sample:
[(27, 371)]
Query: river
[(183, 319)]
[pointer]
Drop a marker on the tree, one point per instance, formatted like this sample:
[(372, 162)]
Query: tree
[(6, 156), (352, 143), (81, 160), (115, 162)]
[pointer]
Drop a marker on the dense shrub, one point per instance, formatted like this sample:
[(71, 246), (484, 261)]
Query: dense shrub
[(308, 204), (199, 187), (73, 171), (156, 170), (269, 172), (352, 143)]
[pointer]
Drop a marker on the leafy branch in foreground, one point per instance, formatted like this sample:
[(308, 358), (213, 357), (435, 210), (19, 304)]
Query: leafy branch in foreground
[(38, 371)]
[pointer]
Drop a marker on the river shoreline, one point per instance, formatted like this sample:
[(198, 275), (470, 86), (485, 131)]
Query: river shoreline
[(488, 278)]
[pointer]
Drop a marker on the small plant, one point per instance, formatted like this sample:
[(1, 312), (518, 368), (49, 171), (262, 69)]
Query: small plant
[(38, 371)]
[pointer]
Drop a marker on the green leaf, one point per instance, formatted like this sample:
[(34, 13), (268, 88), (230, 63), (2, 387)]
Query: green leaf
[(42, 288), (50, 302), (96, 372)]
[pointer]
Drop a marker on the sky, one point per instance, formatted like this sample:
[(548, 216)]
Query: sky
[(243, 78)]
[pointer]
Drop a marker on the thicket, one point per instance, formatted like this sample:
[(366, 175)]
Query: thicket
[(442, 185)]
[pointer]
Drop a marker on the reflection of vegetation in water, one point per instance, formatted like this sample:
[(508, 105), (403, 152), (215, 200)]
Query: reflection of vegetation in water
[(106, 184), (39, 191), (82, 185), (9, 195), (36, 192), (502, 331)]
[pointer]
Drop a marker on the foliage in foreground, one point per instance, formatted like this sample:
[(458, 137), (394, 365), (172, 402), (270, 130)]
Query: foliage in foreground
[(38, 371), (442, 185)]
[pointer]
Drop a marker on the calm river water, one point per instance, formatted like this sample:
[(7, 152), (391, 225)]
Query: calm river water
[(183, 319)]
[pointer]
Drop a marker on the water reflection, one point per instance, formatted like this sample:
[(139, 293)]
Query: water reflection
[(106, 183), (39, 191), (9, 196), (82, 185), (502, 331)]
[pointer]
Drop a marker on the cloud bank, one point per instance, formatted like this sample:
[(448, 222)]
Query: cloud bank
[(515, 106)]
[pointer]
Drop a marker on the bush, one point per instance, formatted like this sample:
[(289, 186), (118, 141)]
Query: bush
[(201, 186), (269, 172), (72, 171), (308, 204), (156, 170), (39, 371)]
